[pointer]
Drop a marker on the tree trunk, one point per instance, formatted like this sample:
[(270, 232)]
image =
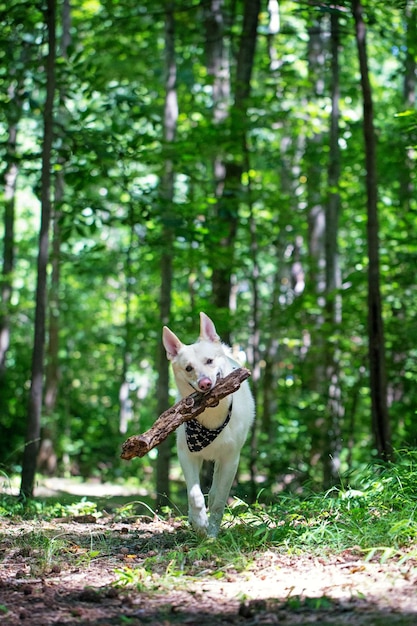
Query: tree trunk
[(52, 368), (36, 390), (410, 61), (406, 202), (166, 196), (314, 167), (406, 193), (8, 249), (378, 383), (315, 377), (218, 70), (125, 406), (229, 175), (332, 313), (332, 281), (10, 178)]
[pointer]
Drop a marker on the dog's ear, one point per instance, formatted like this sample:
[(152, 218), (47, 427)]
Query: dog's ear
[(207, 329), (171, 343)]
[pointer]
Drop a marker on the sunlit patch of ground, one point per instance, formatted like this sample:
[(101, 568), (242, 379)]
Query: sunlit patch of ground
[(129, 566)]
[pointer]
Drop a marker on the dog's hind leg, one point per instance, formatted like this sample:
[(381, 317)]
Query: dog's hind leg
[(223, 477), (197, 514)]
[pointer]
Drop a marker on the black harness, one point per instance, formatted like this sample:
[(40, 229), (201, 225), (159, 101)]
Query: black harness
[(199, 437)]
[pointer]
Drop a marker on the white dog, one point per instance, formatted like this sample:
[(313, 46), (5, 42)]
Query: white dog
[(218, 433)]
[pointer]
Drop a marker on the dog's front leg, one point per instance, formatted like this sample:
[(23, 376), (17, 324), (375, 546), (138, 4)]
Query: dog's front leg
[(197, 514), (223, 477)]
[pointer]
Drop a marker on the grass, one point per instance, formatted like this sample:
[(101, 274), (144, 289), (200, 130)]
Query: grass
[(373, 513), (375, 510)]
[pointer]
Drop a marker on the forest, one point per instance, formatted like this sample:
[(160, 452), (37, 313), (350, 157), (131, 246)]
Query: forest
[(251, 159)]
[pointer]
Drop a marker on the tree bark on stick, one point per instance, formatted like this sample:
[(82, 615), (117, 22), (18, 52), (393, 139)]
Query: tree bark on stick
[(186, 409)]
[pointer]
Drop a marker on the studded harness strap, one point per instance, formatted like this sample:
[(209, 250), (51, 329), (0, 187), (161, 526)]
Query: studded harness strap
[(199, 437)]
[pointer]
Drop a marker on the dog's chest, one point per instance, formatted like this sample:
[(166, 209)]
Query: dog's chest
[(199, 437)]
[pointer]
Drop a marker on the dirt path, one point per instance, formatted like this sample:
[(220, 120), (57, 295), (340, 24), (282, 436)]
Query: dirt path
[(77, 585)]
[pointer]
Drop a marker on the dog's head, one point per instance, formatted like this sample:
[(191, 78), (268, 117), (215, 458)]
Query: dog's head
[(197, 366)]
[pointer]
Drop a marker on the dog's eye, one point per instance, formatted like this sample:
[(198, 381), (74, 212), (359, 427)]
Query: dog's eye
[(189, 368), (209, 362)]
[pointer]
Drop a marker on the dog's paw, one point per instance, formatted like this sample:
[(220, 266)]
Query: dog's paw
[(213, 530), (200, 532), (200, 523)]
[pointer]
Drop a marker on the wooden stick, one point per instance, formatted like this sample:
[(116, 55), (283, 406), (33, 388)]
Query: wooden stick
[(186, 409)]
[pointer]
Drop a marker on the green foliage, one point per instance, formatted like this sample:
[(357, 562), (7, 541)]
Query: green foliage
[(110, 149), (374, 506)]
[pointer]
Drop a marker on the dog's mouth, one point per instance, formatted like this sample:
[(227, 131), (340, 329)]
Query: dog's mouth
[(196, 386)]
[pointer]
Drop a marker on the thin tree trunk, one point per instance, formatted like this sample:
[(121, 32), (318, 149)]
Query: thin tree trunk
[(36, 390), (10, 179), (410, 79), (315, 377), (52, 368), (406, 195), (335, 409), (167, 194), (229, 188), (378, 383), (8, 250), (125, 406), (314, 149), (218, 70), (255, 335), (406, 192), (333, 201)]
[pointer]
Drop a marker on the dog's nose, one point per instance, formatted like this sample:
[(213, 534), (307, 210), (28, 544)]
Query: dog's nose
[(204, 383)]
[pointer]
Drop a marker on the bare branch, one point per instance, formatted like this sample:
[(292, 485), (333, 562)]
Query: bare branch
[(186, 409)]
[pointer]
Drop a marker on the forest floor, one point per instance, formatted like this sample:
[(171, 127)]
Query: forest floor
[(104, 570)]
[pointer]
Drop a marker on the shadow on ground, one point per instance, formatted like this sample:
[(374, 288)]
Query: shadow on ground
[(79, 583)]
